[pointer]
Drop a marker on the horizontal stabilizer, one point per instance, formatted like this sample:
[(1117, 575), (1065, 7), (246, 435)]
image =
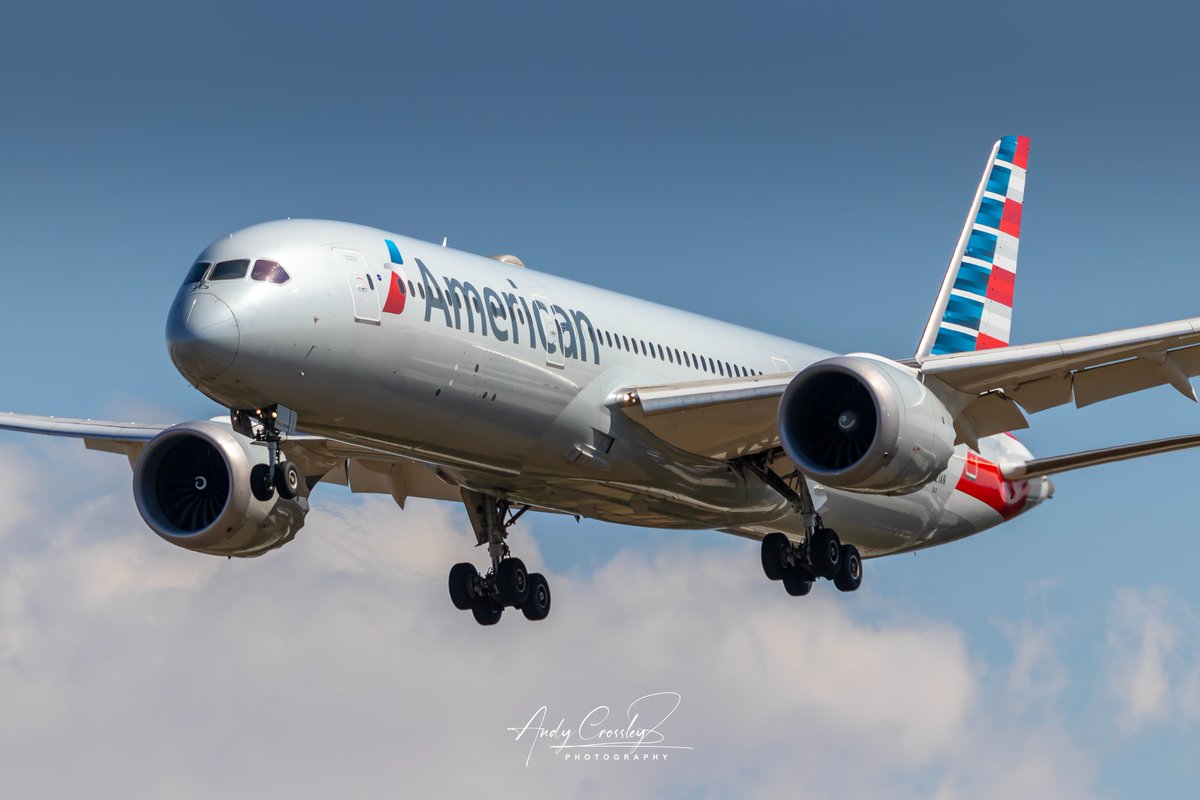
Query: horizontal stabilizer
[(1038, 467)]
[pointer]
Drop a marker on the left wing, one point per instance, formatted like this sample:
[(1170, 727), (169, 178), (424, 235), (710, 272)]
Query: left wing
[(737, 417)]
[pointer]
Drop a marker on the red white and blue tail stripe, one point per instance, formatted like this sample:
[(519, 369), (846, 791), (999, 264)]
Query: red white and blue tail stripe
[(974, 308)]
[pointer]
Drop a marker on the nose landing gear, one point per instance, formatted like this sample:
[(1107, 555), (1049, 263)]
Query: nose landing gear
[(278, 474), (508, 584)]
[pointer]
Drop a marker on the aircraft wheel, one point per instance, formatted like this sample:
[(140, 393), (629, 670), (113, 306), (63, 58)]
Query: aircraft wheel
[(850, 575), (773, 545), (487, 611), (462, 579), (825, 549), (537, 606), (260, 482), (512, 579), (797, 581), (287, 480)]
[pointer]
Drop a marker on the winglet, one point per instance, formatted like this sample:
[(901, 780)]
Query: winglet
[(974, 307)]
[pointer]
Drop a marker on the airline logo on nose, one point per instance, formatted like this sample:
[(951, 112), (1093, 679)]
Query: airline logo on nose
[(394, 304)]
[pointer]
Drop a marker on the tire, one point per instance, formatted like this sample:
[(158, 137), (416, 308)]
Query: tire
[(773, 565), (287, 480), (537, 606), (512, 579), (260, 482), (850, 576), (797, 581), (462, 585), (487, 611), (826, 553)]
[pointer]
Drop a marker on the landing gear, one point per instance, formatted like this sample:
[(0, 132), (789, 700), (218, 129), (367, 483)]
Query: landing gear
[(508, 583), (825, 552), (849, 576), (820, 555), (798, 564), (278, 474), (287, 480), (538, 605)]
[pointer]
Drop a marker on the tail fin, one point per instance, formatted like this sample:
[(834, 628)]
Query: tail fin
[(974, 308)]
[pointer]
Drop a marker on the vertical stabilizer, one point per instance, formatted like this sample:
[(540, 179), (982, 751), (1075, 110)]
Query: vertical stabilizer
[(974, 308)]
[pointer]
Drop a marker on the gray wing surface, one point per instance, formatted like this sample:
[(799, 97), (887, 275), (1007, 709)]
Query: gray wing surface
[(737, 417), (362, 469)]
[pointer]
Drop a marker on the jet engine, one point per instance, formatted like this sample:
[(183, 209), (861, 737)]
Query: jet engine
[(865, 424), (192, 486)]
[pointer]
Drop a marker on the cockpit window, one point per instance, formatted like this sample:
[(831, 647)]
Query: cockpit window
[(196, 273), (230, 270), (269, 271)]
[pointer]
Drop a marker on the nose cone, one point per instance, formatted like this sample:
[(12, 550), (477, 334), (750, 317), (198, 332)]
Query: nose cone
[(202, 336)]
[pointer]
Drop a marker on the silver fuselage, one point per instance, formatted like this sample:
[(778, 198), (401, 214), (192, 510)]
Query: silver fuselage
[(474, 375)]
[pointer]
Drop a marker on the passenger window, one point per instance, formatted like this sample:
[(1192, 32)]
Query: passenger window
[(687, 362), (721, 369), (608, 338), (625, 339), (421, 289), (400, 283), (411, 289), (230, 270), (196, 273), (670, 358), (642, 342), (677, 359)]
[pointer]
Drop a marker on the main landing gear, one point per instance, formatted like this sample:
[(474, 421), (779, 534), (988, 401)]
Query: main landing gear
[(278, 474), (507, 583), (820, 554)]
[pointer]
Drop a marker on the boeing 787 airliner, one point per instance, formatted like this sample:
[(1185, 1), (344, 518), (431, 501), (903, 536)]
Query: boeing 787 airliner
[(360, 357)]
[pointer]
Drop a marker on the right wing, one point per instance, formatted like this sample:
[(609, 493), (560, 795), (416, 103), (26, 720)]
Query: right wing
[(362, 469)]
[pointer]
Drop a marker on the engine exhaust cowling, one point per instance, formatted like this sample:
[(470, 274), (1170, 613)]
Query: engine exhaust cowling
[(865, 424), (192, 487)]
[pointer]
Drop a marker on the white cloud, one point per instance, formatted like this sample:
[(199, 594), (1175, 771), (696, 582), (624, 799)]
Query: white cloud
[(337, 666), (1142, 640)]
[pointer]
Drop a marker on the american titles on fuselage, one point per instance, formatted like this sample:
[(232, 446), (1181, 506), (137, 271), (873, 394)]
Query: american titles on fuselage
[(504, 314)]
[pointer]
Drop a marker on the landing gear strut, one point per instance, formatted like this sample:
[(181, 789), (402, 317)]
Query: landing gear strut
[(507, 583), (278, 474), (820, 554)]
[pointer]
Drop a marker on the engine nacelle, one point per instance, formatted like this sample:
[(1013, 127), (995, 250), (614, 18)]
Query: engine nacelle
[(866, 425), (192, 487)]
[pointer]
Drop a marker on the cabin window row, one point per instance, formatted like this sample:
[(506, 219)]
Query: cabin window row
[(673, 355)]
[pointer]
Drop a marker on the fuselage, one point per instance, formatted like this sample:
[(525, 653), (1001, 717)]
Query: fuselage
[(501, 376)]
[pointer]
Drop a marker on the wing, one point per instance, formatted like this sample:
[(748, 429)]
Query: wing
[(1037, 467), (722, 419), (1086, 370), (736, 417), (363, 469)]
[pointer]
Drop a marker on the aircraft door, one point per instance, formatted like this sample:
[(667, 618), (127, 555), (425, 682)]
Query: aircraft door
[(551, 327), (362, 286)]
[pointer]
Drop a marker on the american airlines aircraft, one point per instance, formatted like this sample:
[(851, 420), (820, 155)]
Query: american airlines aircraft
[(359, 357)]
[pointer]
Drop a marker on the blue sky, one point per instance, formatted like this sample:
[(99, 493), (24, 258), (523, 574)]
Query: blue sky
[(802, 170)]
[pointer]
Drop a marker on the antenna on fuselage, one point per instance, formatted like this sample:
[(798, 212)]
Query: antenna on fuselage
[(444, 240)]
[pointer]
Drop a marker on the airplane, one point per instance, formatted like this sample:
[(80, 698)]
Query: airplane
[(355, 356)]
